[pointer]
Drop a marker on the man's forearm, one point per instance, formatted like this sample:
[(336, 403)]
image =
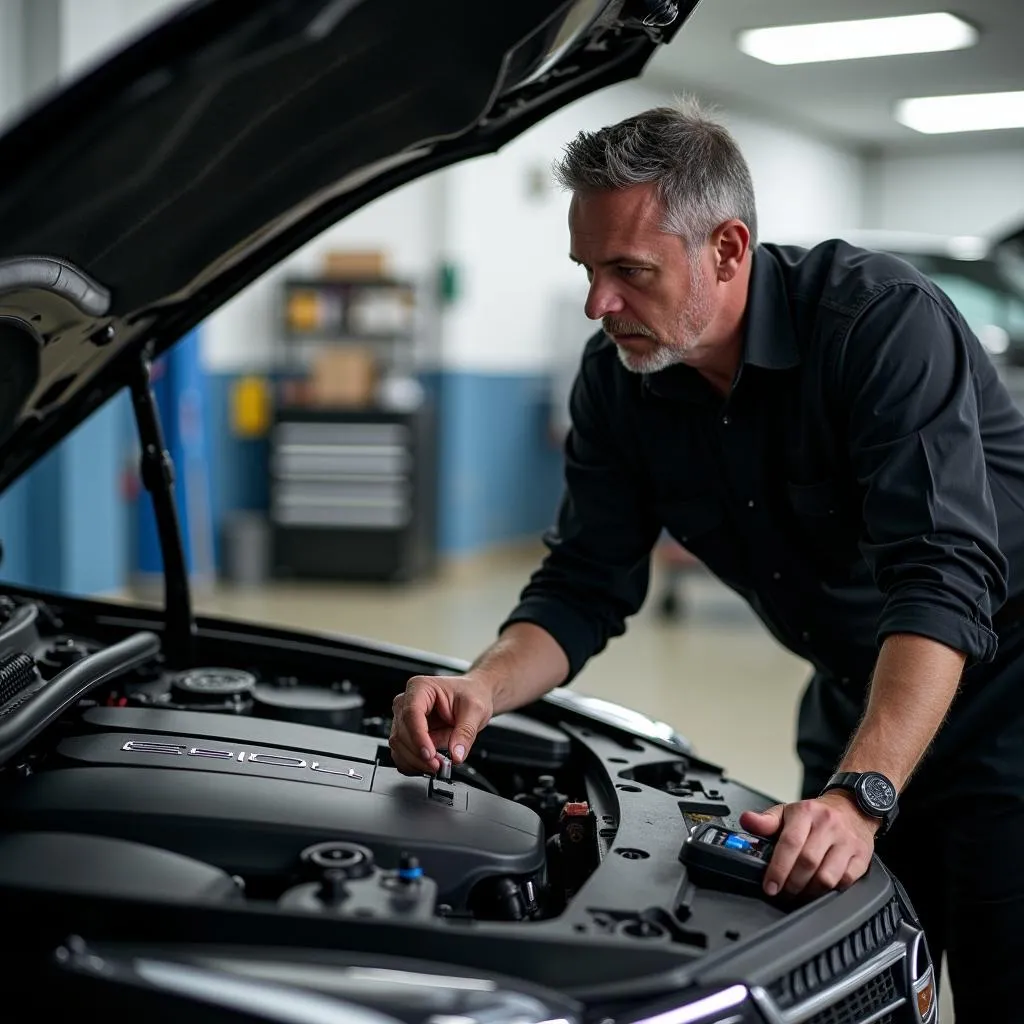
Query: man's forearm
[(523, 664), (914, 684)]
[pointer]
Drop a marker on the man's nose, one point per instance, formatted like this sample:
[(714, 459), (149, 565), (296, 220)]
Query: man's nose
[(603, 300)]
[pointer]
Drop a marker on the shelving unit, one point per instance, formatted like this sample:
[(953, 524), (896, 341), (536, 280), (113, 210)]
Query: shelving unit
[(352, 481)]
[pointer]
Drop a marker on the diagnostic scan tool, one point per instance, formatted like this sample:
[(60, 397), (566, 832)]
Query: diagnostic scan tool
[(722, 858)]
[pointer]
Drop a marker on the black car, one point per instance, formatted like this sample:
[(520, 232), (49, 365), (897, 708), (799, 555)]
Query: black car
[(177, 840)]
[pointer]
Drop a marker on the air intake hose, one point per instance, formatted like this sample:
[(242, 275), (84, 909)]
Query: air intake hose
[(17, 671)]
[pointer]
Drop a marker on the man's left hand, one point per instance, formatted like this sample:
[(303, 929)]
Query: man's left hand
[(822, 844)]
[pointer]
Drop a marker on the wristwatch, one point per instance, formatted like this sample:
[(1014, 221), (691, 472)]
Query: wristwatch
[(874, 793)]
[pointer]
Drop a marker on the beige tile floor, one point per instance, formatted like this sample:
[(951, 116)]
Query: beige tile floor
[(716, 675)]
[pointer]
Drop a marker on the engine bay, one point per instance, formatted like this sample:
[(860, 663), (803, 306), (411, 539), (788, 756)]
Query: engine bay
[(263, 784)]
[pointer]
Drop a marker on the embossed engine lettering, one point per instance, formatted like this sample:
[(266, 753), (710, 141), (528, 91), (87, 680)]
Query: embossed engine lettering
[(277, 760), (140, 747), (224, 754), (317, 767)]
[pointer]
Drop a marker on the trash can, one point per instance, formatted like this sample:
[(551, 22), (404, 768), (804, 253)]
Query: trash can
[(246, 548)]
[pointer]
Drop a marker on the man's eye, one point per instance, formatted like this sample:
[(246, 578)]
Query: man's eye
[(630, 271)]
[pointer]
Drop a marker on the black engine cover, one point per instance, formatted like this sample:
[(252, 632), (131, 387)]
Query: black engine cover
[(250, 806)]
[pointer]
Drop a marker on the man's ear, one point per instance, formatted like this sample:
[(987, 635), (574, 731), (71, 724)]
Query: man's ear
[(730, 243)]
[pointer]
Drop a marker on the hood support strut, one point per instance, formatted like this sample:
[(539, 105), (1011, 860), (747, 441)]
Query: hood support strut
[(157, 470)]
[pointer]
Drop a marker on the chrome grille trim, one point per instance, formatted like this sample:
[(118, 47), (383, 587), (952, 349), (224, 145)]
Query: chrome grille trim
[(835, 993), (818, 971)]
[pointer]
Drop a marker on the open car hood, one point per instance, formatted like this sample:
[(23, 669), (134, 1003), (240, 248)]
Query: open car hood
[(146, 193)]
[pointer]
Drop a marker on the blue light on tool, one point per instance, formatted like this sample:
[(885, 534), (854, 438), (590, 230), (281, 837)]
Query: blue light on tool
[(738, 843)]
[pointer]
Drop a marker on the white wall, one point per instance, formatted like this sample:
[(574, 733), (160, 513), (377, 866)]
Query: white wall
[(10, 57), (959, 194), (511, 248), (803, 185), (90, 28), (406, 224)]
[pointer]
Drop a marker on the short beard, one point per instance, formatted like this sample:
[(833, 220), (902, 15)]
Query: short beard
[(660, 358), (692, 324)]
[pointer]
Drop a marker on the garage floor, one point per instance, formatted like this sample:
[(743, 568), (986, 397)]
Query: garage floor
[(715, 675)]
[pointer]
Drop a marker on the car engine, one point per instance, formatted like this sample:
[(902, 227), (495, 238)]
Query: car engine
[(250, 795), (283, 786), (268, 800)]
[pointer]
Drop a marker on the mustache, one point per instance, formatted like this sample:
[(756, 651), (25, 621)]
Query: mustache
[(612, 326)]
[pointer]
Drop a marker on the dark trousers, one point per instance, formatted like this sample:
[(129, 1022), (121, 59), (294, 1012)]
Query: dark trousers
[(958, 843), (964, 873)]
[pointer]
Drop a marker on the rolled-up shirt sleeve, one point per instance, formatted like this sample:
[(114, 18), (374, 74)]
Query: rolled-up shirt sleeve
[(905, 385), (597, 569)]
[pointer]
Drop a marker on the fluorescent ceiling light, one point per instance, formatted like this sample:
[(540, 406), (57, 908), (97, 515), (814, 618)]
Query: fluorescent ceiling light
[(849, 40), (977, 112)]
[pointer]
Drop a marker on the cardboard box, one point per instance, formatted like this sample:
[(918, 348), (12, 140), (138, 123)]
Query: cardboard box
[(344, 376), (354, 264)]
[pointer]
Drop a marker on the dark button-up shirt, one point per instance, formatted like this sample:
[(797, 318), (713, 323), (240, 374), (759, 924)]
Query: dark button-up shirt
[(864, 477)]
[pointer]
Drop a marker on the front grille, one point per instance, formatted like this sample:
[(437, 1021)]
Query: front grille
[(859, 1005), (825, 968)]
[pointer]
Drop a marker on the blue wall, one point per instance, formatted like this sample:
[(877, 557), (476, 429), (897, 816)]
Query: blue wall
[(499, 476), (17, 561), (182, 393), (64, 525), (68, 524), (240, 480)]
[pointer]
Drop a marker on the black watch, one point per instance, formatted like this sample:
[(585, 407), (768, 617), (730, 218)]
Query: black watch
[(874, 793)]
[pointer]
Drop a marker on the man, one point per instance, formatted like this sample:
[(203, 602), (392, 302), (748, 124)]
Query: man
[(824, 431)]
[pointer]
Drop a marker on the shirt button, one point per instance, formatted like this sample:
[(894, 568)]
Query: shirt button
[(726, 421), (805, 636), (845, 680), (776, 575), (750, 504)]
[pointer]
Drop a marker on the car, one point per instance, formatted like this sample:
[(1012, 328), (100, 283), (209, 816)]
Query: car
[(199, 817), (983, 276)]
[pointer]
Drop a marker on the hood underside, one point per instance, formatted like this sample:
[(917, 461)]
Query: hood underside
[(145, 194)]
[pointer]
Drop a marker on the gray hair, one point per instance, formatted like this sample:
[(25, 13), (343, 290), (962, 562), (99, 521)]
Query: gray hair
[(702, 177)]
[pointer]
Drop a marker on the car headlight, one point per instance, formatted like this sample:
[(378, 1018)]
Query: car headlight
[(729, 1005)]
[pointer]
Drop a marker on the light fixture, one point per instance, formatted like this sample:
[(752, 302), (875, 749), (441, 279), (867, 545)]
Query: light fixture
[(975, 112), (850, 40)]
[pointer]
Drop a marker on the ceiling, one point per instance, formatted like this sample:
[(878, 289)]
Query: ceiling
[(847, 101)]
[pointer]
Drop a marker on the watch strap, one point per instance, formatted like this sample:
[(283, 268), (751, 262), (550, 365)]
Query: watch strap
[(842, 780)]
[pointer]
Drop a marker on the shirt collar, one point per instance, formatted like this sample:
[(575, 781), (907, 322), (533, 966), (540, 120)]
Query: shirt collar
[(769, 340)]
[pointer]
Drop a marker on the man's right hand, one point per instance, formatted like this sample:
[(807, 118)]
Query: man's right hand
[(438, 711)]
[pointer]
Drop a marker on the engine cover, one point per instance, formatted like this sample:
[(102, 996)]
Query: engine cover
[(248, 796)]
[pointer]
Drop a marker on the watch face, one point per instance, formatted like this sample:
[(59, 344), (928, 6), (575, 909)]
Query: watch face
[(877, 791)]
